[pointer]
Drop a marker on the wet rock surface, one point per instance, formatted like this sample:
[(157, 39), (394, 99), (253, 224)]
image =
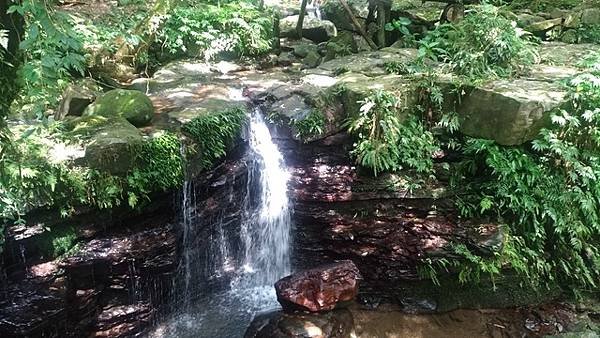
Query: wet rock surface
[(548, 320), (111, 285), (123, 272), (333, 324), (318, 289)]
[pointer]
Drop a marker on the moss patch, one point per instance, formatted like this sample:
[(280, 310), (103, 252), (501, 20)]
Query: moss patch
[(133, 105), (214, 133)]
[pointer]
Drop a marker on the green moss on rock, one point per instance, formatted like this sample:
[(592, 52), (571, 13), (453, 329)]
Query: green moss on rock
[(111, 144), (214, 133), (133, 105)]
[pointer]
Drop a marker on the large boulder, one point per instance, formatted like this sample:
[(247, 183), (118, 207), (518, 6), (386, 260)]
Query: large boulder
[(510, 112), (312, 28), (541, 27), (591, 16), (357, 87), (77, 97), (132, 105), (111, 144), (370, 63), (526, 19), (319, 289)]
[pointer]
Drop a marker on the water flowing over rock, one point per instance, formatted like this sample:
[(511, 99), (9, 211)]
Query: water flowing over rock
[(235, 228), (319, 289)]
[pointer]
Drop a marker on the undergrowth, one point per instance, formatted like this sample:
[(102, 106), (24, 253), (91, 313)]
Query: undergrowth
[(547, 193), (483, 45), (207, 31), (388, 139), (310, 126), (32, 179)]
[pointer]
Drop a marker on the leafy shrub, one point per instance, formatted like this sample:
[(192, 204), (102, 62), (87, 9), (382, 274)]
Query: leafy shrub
[(207, 30), (541, 5), (402, 25), (214, 133), (386, 141), (310, 126), (484, 44), (547, 193), (588, 34), (159, 168), (30, 179), (52, 53)]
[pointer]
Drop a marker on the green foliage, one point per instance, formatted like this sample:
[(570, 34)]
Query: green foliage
[(52, 53), (32, 178), (208, 30), (542, 5), (548, 193), (58, 241), (310, 126), (214, 133), (160, 168), (399, 68), (588, 34), (483, 45), (402, 25), (388, 141)]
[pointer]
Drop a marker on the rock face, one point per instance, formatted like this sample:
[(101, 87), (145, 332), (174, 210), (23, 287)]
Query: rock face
[(110, 286), (133, 105), (312, 28), (509, 112), (319, 289)]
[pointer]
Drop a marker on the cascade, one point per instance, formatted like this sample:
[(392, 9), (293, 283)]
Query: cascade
[(263, 239), (313, 9)]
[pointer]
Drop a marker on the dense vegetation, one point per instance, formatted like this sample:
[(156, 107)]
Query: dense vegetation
[(59, 46), (545, 192)]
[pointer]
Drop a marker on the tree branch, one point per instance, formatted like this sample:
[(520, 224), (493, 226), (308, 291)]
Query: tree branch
[(357, 25)]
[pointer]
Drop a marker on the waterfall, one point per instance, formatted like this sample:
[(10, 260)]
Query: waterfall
[(313, 9), (250, 258), (266, 231)]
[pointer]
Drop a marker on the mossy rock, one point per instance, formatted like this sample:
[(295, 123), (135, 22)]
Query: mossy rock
[(111, 144), (133, 105)]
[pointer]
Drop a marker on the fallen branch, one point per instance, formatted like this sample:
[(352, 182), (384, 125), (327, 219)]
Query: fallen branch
[(357, 25)]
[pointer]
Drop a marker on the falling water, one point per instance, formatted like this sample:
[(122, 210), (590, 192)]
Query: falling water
[(266, 232), (263, 237), (187, 216), (313, 9)]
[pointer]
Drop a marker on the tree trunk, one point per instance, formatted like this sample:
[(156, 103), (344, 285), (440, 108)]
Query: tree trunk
[(276, 43), (301, 19), (15, 25), (383, 17)]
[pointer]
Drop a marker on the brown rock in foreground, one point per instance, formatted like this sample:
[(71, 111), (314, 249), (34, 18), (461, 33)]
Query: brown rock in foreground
[(320, 288)]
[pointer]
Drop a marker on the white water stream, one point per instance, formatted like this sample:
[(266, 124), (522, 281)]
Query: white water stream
[(264, 237)]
